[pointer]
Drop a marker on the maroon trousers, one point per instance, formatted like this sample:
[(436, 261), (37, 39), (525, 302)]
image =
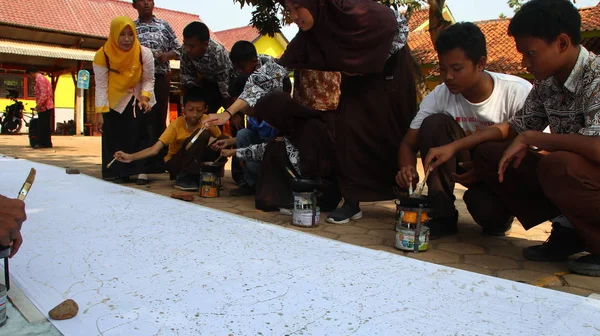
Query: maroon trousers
[(545, 186), (438, 130)]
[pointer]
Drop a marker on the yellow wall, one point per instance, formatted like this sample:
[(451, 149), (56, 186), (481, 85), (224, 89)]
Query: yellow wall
[(445, 13), (5, 102), (269, 46), (64, 96), (65, 92)]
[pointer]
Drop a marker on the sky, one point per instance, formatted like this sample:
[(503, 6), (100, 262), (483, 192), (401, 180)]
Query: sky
[(224, 14)]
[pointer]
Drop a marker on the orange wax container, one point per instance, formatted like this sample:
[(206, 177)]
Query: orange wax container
[(411, 217)]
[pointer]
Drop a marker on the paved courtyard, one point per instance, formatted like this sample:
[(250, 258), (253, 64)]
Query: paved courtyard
[(469, 250)]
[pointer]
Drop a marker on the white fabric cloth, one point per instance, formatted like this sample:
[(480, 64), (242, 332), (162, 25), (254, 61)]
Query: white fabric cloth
[(136, 266), (507, 98)]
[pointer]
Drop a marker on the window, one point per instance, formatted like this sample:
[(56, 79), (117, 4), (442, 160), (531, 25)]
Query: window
[(30, 88), (12, 82)]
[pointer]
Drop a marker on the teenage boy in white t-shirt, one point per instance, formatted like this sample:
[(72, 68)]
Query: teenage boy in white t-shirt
[(469, 100)]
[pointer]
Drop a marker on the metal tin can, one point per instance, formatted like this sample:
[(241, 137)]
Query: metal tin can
[(405, 238), (304, 217), (302, 214), (3, 304), (208, 185), (303, 200)]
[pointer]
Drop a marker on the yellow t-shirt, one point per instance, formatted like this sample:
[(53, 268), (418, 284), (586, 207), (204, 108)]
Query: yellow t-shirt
[(177, 133)]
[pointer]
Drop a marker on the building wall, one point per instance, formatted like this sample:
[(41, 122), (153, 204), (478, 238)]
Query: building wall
[(64, 96), (269, 46), (5, 102), (64, 100), (445, 14)]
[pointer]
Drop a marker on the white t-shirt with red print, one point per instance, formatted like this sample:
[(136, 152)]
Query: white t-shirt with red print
[(508, 96)]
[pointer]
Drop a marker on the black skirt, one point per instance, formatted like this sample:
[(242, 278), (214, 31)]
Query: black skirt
[(374, 114), (120, 133)]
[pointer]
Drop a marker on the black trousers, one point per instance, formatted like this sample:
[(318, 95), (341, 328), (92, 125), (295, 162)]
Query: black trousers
[(45, 129), (120, 133), (152, 124)]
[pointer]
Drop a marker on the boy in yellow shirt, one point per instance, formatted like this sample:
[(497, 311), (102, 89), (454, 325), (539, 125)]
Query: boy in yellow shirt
[(183, 164)]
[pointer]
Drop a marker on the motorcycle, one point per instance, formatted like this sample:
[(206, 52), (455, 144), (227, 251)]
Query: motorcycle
[(13, 118)]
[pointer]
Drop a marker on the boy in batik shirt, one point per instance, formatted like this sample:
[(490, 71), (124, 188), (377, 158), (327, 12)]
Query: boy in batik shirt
[(539, 176)]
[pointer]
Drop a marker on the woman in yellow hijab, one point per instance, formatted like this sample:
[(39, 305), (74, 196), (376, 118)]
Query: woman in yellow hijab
[(124, 74)]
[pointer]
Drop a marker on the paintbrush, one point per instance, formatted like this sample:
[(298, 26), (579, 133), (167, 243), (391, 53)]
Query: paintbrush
[(291, 173), (20, 196), (111, 162), (421, 186), (189, 145), (212, 141), (27, 185)]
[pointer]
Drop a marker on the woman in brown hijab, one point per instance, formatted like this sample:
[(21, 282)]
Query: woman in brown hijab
[(365, 41)]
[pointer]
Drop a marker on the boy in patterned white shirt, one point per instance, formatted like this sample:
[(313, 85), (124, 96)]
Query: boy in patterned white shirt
[(469, 100), (539, 176)]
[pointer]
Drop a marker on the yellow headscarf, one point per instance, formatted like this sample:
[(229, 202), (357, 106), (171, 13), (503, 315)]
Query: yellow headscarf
[(125, 66)]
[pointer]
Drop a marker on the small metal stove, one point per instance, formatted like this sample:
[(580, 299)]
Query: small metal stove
[(411, 215)]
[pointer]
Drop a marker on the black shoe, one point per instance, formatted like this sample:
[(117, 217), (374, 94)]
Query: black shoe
[(498, 231), (443, 226), (344, 214), (562, 243), (142, 181), (243, 190), (122, 180), (187, 183), (586, 265)]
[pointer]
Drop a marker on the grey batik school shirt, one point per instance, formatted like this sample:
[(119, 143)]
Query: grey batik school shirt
[(214, 65), (158, 36)]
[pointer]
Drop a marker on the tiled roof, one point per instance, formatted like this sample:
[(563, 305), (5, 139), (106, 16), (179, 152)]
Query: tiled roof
[(418, 17), (45, 50), (230, 36), (52, 51), (80, 17), (502, 53), (590, 18), (421, 46)]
